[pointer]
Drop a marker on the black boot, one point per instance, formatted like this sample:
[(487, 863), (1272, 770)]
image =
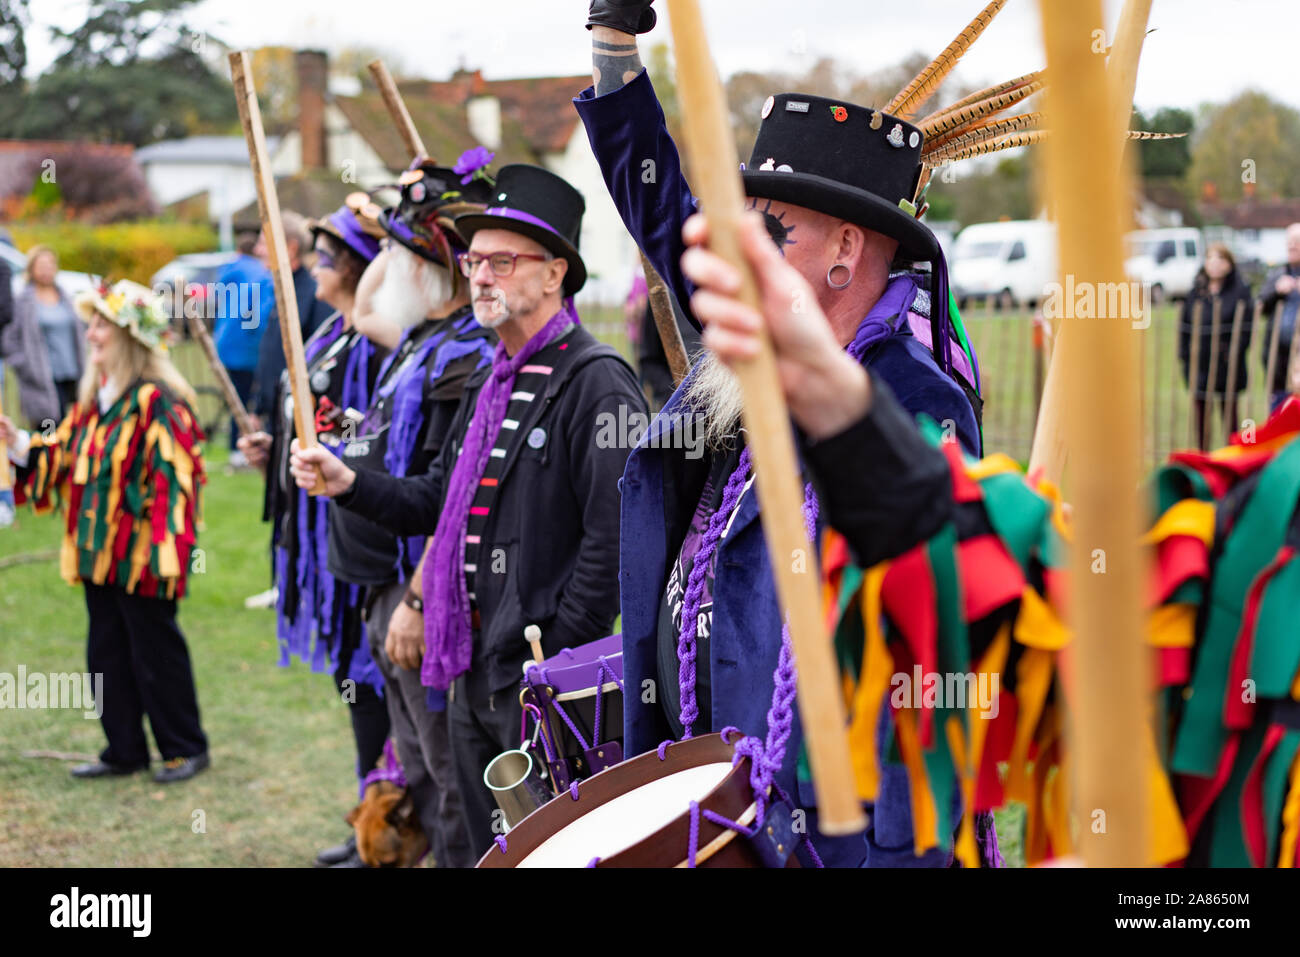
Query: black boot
[(332, 856)]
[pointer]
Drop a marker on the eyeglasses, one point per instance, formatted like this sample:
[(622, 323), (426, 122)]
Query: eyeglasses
[(503, 264)]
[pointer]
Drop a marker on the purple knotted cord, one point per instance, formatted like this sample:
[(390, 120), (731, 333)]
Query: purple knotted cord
[(447, 633), (392, 772)]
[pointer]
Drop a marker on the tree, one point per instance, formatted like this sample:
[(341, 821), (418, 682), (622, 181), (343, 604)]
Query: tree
[(133, 73), (1247, 146), (13, 59), (1165, 159)]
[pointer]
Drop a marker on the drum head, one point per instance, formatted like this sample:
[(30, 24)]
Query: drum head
[(637, 814)]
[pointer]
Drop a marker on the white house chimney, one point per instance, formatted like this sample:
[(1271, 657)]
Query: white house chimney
[(484, 115)]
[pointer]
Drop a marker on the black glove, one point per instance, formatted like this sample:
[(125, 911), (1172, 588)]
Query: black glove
[(626, 16)]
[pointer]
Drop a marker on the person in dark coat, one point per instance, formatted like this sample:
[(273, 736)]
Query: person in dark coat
[(842, 229), (522, 501), (1218, 287), (1282, 287)]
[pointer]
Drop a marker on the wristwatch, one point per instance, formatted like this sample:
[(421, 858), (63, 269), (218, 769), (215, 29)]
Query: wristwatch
[(414, 601)]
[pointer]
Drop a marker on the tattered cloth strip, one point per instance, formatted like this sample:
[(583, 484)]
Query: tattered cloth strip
[(129, 481), (983, 600)]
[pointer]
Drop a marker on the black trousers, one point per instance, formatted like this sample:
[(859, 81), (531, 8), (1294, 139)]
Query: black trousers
[(483, 724), (422, 740), (242, 380), (137, 646), (366, 708)]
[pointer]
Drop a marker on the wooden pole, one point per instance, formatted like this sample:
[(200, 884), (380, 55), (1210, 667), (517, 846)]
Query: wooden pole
[(268, 204), (1048, 454), (199, 330), (1255, 334), (1090, 195), (661, 307), (397, 109), (1271, 370), (1211, 373), (1193, 374), (712, 153), (1230, 393)]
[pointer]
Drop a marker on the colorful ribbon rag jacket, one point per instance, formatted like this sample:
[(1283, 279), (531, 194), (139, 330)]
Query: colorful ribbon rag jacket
[(129, 481), (314, 610), (983, 600)]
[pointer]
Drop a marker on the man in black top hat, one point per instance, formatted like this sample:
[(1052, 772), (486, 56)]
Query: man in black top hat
[(522, 501), (836, 184)]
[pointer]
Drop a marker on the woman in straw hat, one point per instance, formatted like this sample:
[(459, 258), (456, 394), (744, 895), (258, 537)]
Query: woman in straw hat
[(126, 466)]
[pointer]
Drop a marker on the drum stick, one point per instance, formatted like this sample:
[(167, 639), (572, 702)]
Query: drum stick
[(533, 635), (661, 307), (199, 330), (397, 109), (712, 152), (1234, 350), (268, 204), (1090, 193)]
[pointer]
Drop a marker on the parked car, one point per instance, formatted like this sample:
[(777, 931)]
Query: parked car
[(192, 275), (70, 282), (1165, 261), (1012, 262)]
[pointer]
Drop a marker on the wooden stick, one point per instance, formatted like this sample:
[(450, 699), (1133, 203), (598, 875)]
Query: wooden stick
[(1091, 198), (713, 158), (268, 204), (1230, 393), (1048, 454), (397, 109), (6, 483), (1255, 330), (1212, 373), (199, 330), (1292, 382), (1271, 371), (1193, 373), (661, 307)]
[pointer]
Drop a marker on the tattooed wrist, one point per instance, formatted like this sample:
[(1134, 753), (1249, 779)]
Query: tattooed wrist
[(615, 59)]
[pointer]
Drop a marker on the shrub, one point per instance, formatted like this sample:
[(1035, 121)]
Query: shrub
[(119, 250)]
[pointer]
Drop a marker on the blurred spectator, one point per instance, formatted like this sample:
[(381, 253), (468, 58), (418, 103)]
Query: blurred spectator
[(311, 313), (1282, 286), (238, 335), (45, 343), (1218, 282)]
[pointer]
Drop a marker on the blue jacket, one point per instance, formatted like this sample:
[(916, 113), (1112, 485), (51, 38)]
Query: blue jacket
[(640, 165), (237, 336)]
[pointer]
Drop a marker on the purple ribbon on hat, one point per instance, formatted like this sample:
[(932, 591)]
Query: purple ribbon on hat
[(507, 212), (363, 244)]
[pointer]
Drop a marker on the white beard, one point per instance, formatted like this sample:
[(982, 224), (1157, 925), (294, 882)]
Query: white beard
[(411, 289), (714, 391)]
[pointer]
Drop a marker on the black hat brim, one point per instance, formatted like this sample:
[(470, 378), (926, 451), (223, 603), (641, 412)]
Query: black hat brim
[(574, 279), (915, 241)]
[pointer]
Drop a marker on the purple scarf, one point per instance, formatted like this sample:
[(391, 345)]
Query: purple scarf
[(447, 635)]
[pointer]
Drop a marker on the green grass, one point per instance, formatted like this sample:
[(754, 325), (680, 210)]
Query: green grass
[(281, 746)]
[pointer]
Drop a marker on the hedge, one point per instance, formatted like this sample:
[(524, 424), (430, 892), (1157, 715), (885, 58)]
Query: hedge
[(118, 250)]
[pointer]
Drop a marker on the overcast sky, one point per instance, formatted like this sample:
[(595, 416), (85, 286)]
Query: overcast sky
[(1201, 50)]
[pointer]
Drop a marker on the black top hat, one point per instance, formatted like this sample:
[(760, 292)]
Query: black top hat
[(540, 205), (432, 196), (847, 161)]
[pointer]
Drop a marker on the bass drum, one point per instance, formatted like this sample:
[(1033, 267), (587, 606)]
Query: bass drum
[(638, 814)]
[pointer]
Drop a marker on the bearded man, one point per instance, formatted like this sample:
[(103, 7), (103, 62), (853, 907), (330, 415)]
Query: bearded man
[(522, 500), (835, 184)]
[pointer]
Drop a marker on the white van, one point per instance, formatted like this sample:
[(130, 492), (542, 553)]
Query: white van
[(1011, 261), (1165, 260)]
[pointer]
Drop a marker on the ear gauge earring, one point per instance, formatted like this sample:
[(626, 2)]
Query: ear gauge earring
[(847, 279)]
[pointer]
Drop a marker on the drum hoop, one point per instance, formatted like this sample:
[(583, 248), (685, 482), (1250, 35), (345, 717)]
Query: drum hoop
[(728, 834), (693, 752), (587, 692)]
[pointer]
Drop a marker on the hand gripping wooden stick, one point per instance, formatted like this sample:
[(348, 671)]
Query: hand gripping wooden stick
[(397, 108), (199, 330), (268, 204), (1090, 197), (780, 490)]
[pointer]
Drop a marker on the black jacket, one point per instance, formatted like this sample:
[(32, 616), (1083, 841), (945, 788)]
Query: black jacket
[(1234, 294), (312, 313), (1269, 300), (556, 515)]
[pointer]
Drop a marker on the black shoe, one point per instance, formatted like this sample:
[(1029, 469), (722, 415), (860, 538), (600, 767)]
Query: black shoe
[(181, 769), (338, 853), (352, 860), (102, 769)]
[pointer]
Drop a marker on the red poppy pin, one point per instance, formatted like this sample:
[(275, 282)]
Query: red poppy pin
[(840, 113)]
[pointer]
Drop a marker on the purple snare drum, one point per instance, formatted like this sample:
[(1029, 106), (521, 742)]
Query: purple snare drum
[(576, 697)]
